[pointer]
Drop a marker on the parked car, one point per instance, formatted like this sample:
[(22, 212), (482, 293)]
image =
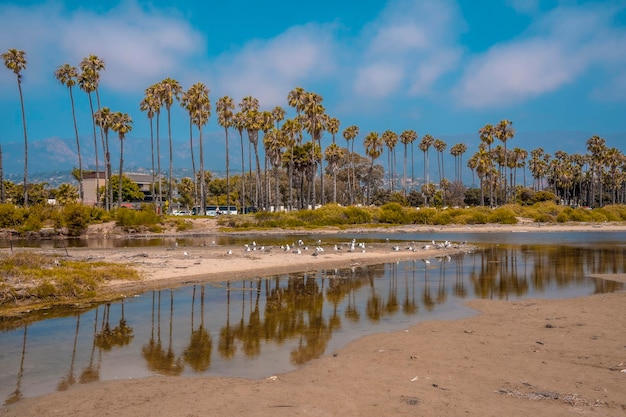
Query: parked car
[(227, 210)]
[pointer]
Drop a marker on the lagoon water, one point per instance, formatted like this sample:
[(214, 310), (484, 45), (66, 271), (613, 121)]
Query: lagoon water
[(259, 327)]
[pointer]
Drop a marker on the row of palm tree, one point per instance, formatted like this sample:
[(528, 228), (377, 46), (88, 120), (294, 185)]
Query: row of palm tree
[(287, 153)]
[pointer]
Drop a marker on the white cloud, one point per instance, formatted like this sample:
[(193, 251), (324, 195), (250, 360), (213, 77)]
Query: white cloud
[(411, 45), (138, 45), (378, 80), (560, 48), (269, 69)]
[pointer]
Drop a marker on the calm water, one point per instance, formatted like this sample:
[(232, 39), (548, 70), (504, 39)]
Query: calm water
[(259, 327)]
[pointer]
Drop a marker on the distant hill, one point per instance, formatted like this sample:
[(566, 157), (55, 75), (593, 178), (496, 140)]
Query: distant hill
[(52, 159)]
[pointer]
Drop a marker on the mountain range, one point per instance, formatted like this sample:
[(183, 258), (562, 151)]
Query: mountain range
[(55, 157)]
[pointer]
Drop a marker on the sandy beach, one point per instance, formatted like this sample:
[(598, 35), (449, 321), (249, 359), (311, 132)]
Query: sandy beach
[(520, 358)]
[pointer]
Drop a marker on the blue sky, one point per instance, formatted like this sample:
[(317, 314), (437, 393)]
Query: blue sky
[(440, 67)]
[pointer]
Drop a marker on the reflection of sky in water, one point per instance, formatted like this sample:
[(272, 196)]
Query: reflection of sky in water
[(524, 265)]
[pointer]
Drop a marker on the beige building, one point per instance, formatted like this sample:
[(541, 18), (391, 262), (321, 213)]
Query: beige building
[(92, 179)]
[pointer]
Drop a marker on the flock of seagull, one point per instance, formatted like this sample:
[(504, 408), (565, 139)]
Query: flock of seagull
[(299, 247)]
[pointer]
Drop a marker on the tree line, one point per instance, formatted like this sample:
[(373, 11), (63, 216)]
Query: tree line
[(297, 168)]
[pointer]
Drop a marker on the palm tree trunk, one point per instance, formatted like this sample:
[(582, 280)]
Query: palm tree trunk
[(119, 195), (95, 148), (202, 189), (258, 170), (243, 175), (3, 197), (152, 153), (19, 86), (170, 179), (158, 142), (227, 171), (81, 193), (193, 161)]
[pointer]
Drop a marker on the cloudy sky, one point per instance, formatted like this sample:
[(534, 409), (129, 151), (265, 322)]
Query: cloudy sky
[(441, 67)]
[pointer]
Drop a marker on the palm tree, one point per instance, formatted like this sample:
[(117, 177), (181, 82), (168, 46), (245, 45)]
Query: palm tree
[(440, 146), (104, 119), (274, 143), (487, 136), (188, 102), (424, 145), (15, 60), (314, 122), (292, 134), (390, 139), (150, 104), (169, 90), (457, 151), (333, 154), (504, 132), (88, 80), (407, 137), (239, 124), (225, 118), (349, 134), (66, 75), (196, 101), (122, 124), (373, 148), (596, 146)]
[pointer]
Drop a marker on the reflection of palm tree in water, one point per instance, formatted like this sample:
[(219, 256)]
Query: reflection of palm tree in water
[(92, 372), (392, 305), (198, 353), (69, 379), (352, 312), (409, 306), (459, 285), (159, 360), (441, 289), (17, 394), (427, 298), (374, 302), (226, 344)]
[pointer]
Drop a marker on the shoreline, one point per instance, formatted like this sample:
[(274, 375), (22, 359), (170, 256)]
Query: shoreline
[(515, 358)]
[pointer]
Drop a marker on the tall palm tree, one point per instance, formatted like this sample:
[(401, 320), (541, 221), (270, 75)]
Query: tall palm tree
[(170, 90), (239, 124), (267, 124), (487, 135), (407, 137), (225, 118), (67, 75), (373, 148), (333, 154), (188, 102), (457, 151), (597, 147), (89, 80), (440, 146), (504, 131), (196, 101), (426, 142), (292, 136), (247, 105), (390, 139), (274, 143), (104, 119), (15, 60), (121, 124), (349, 134), (315, 123), (150, 104)]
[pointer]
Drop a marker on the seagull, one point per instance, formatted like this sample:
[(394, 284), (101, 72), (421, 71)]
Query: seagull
[(395, 248), (230, 252), (185, 253), (426, 261)]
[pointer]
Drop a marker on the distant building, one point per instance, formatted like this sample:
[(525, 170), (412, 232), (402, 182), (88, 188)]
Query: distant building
[(90, 180)]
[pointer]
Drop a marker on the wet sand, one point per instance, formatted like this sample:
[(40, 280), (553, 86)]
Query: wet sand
[(529, 357)]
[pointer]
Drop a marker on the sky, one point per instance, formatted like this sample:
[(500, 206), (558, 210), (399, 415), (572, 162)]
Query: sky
[(442, 67)]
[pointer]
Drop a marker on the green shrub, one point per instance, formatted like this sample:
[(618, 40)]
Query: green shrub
[(357, 215), (128, 219), (393, 213), (76, 218), (11, 216), (502, 215), (423, 216)]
